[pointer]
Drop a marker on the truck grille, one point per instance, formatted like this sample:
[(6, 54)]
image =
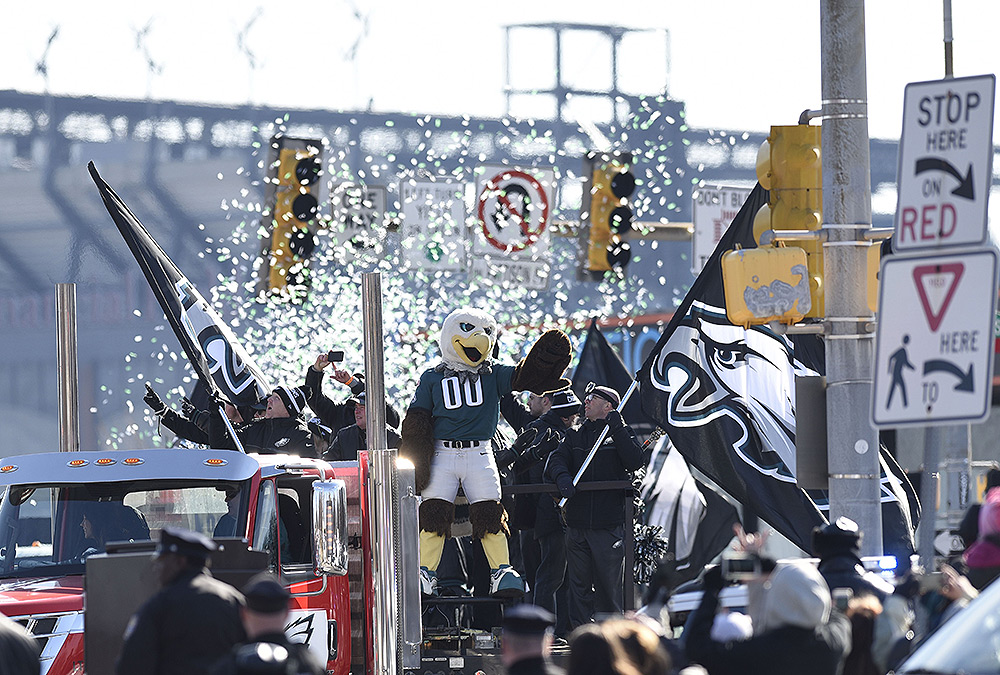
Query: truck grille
[(51, 630)]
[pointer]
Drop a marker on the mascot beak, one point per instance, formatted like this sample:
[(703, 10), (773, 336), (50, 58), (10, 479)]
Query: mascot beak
[(474, 349)]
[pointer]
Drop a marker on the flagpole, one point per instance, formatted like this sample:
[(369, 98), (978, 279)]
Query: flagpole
[(232, 431), (600, 439)]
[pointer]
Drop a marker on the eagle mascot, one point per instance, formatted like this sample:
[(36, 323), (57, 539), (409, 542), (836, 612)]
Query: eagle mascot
[(447, 430)]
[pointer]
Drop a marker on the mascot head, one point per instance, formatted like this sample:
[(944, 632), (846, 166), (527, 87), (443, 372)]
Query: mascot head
[(467, 339)]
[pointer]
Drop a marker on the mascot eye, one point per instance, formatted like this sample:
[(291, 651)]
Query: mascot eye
[(489, 330), (467, 327)]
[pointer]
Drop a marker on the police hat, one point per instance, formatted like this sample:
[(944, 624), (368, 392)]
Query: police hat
[(607, 393), (186, 543), (265, 595), (525, 619)]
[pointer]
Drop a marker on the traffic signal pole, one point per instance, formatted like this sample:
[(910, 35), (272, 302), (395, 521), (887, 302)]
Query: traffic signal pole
[(852, 441)]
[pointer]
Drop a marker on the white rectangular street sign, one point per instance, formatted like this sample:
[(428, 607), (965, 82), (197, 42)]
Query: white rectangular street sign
[(712, 211), (433, 230), (945, 163), (934, 347), (359, 214), (511, 231), (529, 274)]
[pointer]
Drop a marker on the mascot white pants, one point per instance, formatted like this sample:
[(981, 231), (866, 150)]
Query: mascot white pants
[(475, 469)]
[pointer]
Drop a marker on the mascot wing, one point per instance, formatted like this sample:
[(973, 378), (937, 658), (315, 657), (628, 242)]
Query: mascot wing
[(541, 370), (417, 444)]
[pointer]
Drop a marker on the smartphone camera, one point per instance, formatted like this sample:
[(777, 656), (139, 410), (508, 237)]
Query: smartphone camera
[(739, 566), (335, 356)]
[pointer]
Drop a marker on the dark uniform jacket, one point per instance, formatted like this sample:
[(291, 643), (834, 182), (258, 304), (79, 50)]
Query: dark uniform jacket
[(351, 440), (847, 571), (339, 415), (194, 430), (302, 660), (616, 459), (278, 435), (267, 436), (183, 629), (537, 511)]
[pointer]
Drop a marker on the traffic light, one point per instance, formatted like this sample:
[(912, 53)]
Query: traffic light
[(790, 167), (609, 217), (294, 180)]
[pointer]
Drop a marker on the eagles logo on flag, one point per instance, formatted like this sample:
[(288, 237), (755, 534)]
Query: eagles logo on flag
[(725, 394), (705, 384)]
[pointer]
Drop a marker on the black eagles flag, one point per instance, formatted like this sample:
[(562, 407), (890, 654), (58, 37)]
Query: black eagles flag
[(726, 397), (217, 357)]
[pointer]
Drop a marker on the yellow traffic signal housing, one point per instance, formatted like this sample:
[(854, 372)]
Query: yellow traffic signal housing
[(874, 262), (610, 215), (790, 167), (766, 284), (296, 207)]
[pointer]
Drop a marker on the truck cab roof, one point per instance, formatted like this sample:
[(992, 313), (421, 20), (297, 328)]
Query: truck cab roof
[(150, 464)]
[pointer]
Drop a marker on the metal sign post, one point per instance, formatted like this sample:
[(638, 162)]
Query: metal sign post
[(66, 363)]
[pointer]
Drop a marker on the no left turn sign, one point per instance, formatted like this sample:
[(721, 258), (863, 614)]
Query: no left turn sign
[(513, 210)]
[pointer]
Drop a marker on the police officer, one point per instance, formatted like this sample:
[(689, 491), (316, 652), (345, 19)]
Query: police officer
[(191, 622), (536, 515), (267, 648), (595, 520), (527, 641)]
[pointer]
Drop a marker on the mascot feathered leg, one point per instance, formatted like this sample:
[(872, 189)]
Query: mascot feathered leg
[(447, 430)]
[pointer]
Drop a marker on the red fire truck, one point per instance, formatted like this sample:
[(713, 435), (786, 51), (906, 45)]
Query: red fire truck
[(342, 536)]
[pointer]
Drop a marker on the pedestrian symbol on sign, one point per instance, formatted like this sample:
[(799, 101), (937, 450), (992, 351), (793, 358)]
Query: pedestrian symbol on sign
[(897, 362)]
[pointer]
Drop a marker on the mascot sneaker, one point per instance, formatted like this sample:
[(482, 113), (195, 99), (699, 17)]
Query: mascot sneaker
[(505, 582), (428, 582)]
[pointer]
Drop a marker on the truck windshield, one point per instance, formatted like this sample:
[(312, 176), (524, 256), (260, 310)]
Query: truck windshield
[(51, 529)]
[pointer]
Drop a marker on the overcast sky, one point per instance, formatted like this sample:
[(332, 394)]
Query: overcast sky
[(736, 64)]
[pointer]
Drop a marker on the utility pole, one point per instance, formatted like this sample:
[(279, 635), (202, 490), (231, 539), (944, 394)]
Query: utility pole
[(852, 441)]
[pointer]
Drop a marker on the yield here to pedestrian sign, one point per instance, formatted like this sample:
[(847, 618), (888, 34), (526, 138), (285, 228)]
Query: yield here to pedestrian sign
[(945, 163), (934, 349)]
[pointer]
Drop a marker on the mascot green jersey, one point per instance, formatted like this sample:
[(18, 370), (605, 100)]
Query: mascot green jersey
[(447, 432)]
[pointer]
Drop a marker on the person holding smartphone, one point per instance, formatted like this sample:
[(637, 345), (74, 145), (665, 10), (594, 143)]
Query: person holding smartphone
[(335, 415)]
